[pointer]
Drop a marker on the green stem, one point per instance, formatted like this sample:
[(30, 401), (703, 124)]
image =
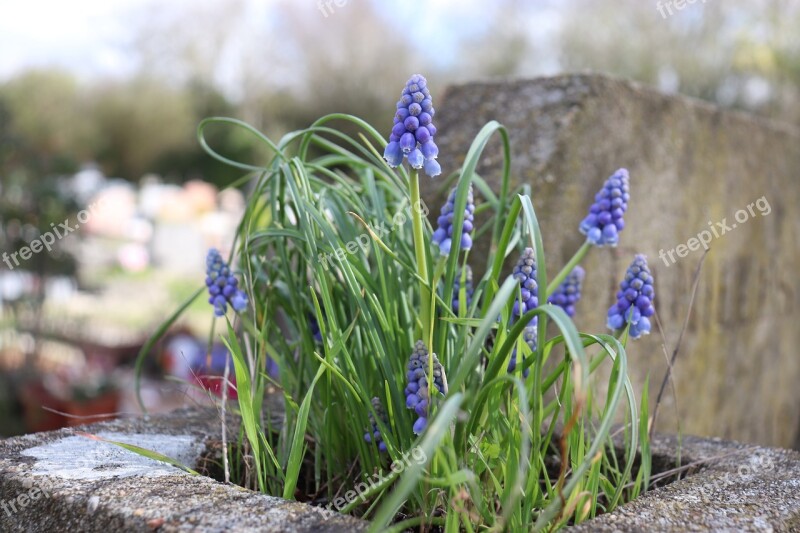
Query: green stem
[(577, 258), (422, 260)]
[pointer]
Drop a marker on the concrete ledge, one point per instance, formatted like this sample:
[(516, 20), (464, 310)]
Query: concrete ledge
[(61, 481), (738, 488)]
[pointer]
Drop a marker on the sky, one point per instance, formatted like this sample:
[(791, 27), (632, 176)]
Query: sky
[(89, 37), (82, 35)]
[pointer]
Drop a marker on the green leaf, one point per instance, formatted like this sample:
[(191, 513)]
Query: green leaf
[(144, 452), (298, 442)]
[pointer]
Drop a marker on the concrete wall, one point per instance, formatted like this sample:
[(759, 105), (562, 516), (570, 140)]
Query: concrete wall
[(738, 372)]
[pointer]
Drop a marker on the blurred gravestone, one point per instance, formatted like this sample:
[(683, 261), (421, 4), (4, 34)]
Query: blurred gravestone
[(691, 164)]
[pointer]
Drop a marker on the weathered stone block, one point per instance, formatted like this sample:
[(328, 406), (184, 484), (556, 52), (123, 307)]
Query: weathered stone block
[(63, 481), (693, 166), (730, 487)]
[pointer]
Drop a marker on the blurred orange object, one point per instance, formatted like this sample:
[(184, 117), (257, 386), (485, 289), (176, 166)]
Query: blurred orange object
[(33, 397), (89, 411)]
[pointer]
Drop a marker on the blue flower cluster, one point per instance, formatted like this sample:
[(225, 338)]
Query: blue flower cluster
[(529, 335), (525, 273), (467, 272), (569, 292), (223, 285), (604, 221), (375, 433), (417, 391), (313, 325), (443, 236), (413, 131), (634, 300)]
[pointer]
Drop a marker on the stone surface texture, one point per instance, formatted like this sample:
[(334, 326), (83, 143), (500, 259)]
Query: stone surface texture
[(690, 164), (91, 486), (738, 488), (69, 482)]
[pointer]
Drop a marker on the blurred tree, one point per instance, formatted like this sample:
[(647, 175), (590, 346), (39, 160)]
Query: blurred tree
[(44, 129), (166, 47), (43, 133), (190, 161), (738, 53), (503, 48), (140, 120), (279, 66), (353, 61)]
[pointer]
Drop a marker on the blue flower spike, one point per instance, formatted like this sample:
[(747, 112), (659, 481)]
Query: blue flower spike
[(413, 131), (313, 325), (223, 287), (417, 391), (443, 236), (525, 273), (634, 304), (374, 434), (569, 292), (605, 219), (467, 288), (529, 335)]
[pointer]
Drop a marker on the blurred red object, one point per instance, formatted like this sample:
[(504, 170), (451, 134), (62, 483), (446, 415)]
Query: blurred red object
[(90, 411), (213, 384)]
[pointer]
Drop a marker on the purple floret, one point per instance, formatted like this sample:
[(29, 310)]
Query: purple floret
[(569, 292), (529, 335), (634, 303), (374, 434), (222, 285), (417, 391), (605, 219), (413, 131), (443, 236), (525, 273)]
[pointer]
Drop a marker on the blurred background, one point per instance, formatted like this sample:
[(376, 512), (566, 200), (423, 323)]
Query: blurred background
[(99, 103)]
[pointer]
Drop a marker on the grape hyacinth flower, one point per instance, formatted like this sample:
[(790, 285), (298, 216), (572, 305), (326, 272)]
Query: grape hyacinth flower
[(569, 292), (604, 221), (444, 233), (223, 285), (467, 287), (529, 335), (313, 325), (374, 434), (417, 391), (634, 300), (413, 130), (525, 273)]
